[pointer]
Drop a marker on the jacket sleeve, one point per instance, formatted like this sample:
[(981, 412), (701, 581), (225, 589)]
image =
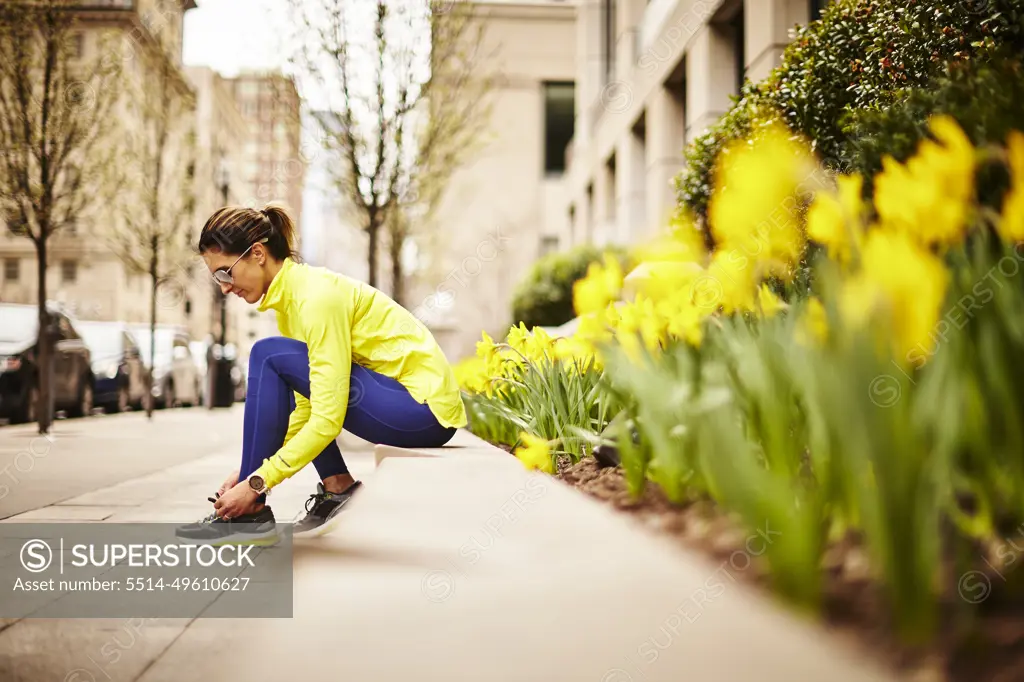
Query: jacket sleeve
[(298, 418), (326, 325)]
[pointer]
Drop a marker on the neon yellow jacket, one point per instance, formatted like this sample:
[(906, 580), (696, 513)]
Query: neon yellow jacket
[(345, 321)]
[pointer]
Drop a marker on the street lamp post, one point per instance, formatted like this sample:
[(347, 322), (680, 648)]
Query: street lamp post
[(220, 390)]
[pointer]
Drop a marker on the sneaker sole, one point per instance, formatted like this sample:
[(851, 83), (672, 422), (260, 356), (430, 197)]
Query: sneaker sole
[(327, 526), (266, 539)]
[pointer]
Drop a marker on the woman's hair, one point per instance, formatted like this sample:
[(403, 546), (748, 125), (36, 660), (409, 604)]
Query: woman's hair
[(233, 229)]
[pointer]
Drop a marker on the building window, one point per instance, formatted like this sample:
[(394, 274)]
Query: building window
[(76, 46), (548, 244), (608, 39), (68, 271), (12, 269), (816, 7), (559, 124)]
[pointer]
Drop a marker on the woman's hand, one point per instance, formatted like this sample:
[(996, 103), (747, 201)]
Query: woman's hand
[(239, 500), (229, 482)]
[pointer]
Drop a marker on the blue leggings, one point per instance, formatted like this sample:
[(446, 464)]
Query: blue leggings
[(380, 409)]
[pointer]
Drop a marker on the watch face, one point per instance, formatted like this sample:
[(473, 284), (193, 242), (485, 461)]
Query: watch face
[(256, 483)]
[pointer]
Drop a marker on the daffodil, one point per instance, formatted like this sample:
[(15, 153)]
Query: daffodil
[(898, 292), (575, 352), (599, 287), (754, 208), (768, 302), (535, 453), (471, 375), (639, 322), (834, 220), (929, 197), (485, 348), (813, 324), (729, 283), (684, 320), (1011, 226)]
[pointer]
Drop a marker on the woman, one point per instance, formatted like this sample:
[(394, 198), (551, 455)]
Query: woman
[(351, 356)]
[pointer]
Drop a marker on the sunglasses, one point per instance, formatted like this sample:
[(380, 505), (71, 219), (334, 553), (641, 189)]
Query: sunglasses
[(223, 276)]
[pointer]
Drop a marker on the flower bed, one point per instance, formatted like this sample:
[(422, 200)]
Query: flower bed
[(846, 373)]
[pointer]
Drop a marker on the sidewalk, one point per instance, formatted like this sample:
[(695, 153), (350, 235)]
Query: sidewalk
[(461, 567)]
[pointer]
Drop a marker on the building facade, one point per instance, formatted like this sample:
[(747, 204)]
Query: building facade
[(222, 134), (86, 275), (652, 75), (502, 208), (273, 165), (272, 168)]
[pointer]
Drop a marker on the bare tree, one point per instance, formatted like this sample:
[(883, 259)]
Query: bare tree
[(158, 165), (405, 90), (55, 114)]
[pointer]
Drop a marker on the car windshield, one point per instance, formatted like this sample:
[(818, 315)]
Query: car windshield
[(104, 341), (18, 324), (164, 343)]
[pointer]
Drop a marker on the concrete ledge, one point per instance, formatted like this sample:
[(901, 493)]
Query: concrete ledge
[(462, 444), (463, 569)]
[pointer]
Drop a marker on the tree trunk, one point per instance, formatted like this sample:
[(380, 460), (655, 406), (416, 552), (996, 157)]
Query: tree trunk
[(374, 232), (397, 275), (152, 326), (45, 353)]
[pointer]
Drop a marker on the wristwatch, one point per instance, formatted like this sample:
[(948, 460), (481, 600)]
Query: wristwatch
[(257, 484)]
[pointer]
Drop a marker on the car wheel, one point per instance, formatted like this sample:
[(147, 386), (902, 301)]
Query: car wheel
[(85, 400), (27, 412), (123, 400)]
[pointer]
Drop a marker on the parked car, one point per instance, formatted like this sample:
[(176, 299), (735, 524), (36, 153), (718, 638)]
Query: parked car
[(121, 376), (198, 350), (19, 372), (176, 379)]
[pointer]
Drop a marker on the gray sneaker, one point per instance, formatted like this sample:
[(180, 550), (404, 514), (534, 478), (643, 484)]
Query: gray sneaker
[(322, 507), (249, 529)]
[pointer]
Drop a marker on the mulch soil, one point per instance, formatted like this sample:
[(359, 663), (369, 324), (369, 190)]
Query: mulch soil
[(990, 648)]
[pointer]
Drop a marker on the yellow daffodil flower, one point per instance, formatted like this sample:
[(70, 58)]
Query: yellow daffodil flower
[(899, 291), (1011, 227), (929, 197), (600, 287), (754, 208), (834, 220), (535, 453)]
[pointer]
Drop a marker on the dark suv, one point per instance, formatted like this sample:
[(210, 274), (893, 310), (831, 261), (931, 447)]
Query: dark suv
[(121, 376), (19, 374)]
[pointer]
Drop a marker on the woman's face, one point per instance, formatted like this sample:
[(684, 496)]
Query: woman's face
[(249, 275)]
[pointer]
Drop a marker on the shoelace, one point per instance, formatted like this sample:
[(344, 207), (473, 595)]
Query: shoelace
[(315, 500), (210, 517)]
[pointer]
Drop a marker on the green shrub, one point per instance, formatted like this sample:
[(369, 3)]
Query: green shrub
[(544, 297), (987, 99), (863, 55)]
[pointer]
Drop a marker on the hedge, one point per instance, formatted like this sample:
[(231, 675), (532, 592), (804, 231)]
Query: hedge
[(544, 297), (861, 56)]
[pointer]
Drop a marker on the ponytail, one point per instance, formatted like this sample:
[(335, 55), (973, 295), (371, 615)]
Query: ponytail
[(282, 238), (233, 229)]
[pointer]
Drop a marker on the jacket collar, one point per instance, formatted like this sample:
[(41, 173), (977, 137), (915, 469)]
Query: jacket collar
[(277, 293)]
